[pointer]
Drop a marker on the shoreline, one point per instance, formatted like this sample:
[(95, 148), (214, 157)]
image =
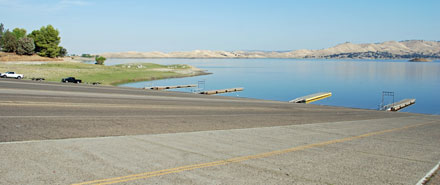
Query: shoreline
[(190, 73), (256, 58)]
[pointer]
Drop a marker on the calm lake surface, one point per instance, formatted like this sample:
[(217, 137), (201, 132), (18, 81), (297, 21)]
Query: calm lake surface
[(354, 83)]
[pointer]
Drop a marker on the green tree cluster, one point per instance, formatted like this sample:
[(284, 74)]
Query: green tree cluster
[(45, 42), (86, 55)]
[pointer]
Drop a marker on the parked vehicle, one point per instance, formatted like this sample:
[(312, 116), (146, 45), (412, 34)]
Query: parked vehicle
[(11, 74), (71, 80)]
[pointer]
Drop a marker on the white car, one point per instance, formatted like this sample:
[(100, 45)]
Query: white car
[(11, 74)]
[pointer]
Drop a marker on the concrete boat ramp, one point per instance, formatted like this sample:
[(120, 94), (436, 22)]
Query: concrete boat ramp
[(55, 133)]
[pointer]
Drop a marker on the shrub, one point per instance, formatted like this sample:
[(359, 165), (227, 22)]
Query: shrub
[(100, 60), (63, 52), (26, 46)]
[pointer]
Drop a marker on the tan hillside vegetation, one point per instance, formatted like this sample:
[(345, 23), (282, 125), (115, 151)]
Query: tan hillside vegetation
[(392, 49), (7, 57)]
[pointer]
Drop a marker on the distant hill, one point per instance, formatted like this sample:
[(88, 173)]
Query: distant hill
[(387, 50)]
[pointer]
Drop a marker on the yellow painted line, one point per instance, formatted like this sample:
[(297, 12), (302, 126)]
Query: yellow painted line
[(238, 159)]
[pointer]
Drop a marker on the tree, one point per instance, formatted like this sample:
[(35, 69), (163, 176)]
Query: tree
[(2, 29), (19, 33), (100, 60), (63, 52), (10, 43), (26, 46), (86, 55), (46, 41)]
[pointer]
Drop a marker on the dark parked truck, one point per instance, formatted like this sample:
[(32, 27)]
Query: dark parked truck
[(70, 80)]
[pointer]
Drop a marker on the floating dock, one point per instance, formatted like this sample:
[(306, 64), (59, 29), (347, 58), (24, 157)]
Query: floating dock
[(312, 97), (221, 91), (400, 105), (171, 87)]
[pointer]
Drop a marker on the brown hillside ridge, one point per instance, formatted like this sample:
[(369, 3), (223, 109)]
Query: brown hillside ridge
[(9, 57), (386, 50), (420, 60)]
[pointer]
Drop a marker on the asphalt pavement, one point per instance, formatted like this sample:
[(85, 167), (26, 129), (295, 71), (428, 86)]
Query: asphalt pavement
[(54, 133)]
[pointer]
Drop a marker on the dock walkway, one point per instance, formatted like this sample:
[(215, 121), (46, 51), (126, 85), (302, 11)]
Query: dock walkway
[(312, 97), (400, 105), (170, 87), (222, 91)]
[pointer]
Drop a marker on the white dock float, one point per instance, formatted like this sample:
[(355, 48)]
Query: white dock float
[(222, 91), (171, 87), (312, 97), (400, 105)]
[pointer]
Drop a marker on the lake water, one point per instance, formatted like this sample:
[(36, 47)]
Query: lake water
[(354, 83)]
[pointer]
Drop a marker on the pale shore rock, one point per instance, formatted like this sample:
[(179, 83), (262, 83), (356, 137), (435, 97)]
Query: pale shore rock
[(191, 70)]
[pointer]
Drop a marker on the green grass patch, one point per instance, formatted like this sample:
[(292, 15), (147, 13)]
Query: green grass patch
[(106, 75)]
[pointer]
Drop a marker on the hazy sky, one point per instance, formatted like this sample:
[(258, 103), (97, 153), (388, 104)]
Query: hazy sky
[(97, 26)]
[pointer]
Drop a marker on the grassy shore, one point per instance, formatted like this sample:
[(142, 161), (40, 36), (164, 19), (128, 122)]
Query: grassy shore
[(106, 75)]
